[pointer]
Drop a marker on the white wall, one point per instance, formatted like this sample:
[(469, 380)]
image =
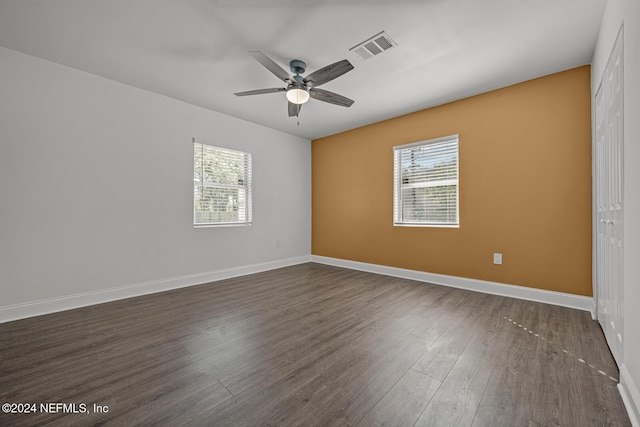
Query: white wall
[(96, 186), (617, 12)]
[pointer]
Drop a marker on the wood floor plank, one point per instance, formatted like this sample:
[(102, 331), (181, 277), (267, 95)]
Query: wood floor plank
[(304, 383), (457, 400), (404, 403), (443, 354), (313, 345), (382, 375), (509, 399), (437, 321), (357, 395)]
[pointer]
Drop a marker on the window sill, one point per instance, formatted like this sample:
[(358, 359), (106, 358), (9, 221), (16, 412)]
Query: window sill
[(409, 224), (226, 224)]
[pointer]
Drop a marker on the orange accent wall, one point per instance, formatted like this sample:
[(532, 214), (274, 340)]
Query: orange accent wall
[(525, 188)]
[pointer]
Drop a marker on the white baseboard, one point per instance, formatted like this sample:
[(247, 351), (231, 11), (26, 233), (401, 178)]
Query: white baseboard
[(68, 302), (531, 294), (52, 305), (630, 395)]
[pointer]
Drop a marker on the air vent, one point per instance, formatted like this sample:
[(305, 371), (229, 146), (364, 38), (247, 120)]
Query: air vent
[(373, 46)]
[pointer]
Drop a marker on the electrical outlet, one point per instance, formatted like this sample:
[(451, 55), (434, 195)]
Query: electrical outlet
[(497, 258), (277, 243)]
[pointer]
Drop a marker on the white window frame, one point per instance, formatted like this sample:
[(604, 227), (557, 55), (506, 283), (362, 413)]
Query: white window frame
[(244, 188), (398, 214)]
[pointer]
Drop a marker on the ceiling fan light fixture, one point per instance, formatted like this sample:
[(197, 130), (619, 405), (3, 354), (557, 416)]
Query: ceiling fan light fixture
[(297, 95)]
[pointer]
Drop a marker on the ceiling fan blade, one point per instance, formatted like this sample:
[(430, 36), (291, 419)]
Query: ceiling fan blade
[(270, 65), (261, 91), (328, 73), (330, 97), (294, 109)]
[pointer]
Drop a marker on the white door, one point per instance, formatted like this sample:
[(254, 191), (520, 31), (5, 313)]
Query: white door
[(609, 203)]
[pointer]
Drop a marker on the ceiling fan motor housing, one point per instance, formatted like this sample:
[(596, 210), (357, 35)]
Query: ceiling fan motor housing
[(298, 81), (297, 66)]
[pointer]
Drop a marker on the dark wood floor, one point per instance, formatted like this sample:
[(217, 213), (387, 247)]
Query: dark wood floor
[(313, 345)]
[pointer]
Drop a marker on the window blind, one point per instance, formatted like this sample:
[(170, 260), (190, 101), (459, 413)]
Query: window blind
[(221, 185), (426, 183)]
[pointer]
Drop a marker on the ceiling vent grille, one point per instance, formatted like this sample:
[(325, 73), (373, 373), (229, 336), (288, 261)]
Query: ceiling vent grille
[(373, 46)]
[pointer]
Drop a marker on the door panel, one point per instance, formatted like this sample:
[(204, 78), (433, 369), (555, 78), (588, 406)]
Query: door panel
[(609, 200)]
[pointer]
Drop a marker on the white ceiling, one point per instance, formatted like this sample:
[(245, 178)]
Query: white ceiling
[(196, 50)]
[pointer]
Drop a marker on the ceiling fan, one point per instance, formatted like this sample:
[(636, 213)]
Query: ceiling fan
[(299, 89)]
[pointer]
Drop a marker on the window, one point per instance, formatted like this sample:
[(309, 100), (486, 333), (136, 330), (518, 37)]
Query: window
[(426, 183), (221, 186)]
